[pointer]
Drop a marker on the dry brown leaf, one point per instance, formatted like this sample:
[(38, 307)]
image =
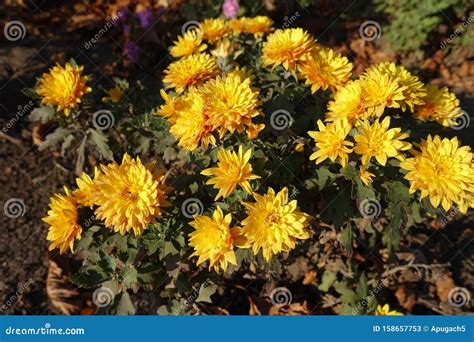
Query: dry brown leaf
[(309, 277), (444, 283), (64, 296), (406, 297), (294, 309)]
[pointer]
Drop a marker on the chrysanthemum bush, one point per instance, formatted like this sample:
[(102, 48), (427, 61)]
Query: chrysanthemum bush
[(263, 147)]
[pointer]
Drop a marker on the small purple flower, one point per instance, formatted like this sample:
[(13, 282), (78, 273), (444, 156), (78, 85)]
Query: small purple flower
[(146, 18), (230, 8), (121, 15), (132, 50)]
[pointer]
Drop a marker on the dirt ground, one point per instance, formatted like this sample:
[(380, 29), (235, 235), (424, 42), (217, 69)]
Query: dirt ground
[(33, 176)]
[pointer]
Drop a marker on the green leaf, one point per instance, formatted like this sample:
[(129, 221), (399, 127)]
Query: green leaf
[(55, 138), (124, 305), (205, 293), (107, 262), (89, 278), (346, 238), (100, 141), (347, 294), (327, 281), (43, 114), (130, 277)]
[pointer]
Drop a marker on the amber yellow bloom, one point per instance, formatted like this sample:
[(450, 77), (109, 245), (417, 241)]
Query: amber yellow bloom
[(365, 176), (233, 169), (274, 224), (213, 239), (287, 47), (113, 95), (385, 311), (187, 44), (379, 142), (130, 195), (231, 103), (331, 142), (64, 222), (214, 29), (413, 90), (190, 70), (191, 126), (63, 87), (380, 90), (444, 171), (325, 69), (258, 25), (236, 26), (348, 103), (440, 105), (83, 193)]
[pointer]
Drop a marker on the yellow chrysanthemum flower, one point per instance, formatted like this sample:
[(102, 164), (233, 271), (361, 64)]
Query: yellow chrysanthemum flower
[(413, 90), (258, 25), (189, 71), (379, 142), (365, 176), (64, 222), (130, 196), (63, 87), (113, 95), (440, 105), (236, 26), (287, 47), (444, 171), (385, 311), (173, 106), (348, 103), (325, 69), (214, 29), (232, 169), (380, 90), (214, 240), (187, 44), (191, 126), (231, 103), (331, 142), (273, 224), (83, 193)]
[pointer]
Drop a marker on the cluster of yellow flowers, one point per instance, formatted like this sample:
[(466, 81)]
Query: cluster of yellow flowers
[(125, 197), (273, 223)]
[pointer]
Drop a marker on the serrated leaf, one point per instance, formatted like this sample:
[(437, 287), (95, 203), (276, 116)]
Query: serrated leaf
[(130, 277), (89, 278), (100, 141), (124, 305), (347, 294), (205, 293), (43, 114), (327, 281), (55, 138), (346, 238), (107, 262)]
